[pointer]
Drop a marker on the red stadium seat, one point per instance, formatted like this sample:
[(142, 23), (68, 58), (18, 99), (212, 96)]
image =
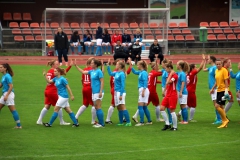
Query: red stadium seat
[(54, 25), (65, 25), (221, 37), (29, 39), (158, 32), (159, 37), (68, 31), (173, 25), (17, 16), (26, 31), (114, 25), (236, 30), (149, 37), (227, 31), (69, 37), (27, 17), (223, 24), (43, 26), (153, 25), (49, 37), (238, 37), (93, 25), (38, 38), (13, 25), (143, 25), (171, 38), (34, 25), (217, 31), (37, 31), (7, 16), (233, 24), (48, 31), (18, 38), (214, 24), (186, 31), (24, 25), (161, 25), (231, 37), (189, 38), (124, 25), (16, 31), (210, 31), (182, 25), (211, 37), (204, 24), (169, 32), (84, 25), (133, 25), (74, 25), (176, 31), (105, 25), (147, 31), (179, 38)]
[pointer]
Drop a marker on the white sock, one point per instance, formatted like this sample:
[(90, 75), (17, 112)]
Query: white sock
[(80, 111), (180, 112), (228, 106), (192, 111), (157, 112), (165, 117), (110, 112), (136, 114), (94, 114), (42, 114), (174, 119), (60, 115)]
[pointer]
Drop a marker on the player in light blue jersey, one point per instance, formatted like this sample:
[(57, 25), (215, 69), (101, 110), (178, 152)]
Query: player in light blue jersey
[(143, 92), (96, 76), (62, 102), (211, 81), (8, 96), (119, 91), (183, 68), (237, 77)]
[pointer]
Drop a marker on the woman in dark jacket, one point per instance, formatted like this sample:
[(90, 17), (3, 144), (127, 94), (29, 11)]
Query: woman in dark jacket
[(75, 42)]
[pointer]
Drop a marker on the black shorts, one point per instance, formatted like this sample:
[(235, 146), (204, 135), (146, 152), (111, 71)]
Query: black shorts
[(219, 98)]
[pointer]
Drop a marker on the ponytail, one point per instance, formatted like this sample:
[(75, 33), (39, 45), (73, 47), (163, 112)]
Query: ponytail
[(169, 64), (191, 67), (184, 66), (8, 69), (61, 71), (51, 63)]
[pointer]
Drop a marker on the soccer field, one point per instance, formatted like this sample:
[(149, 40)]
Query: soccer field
[(200, 140)]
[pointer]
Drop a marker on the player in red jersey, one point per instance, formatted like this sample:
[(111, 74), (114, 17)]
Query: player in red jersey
[(152, 84), (227, 64), (87, 93), (116, 37), (112, 106), (191, 87), (51, 95), (170, 99)]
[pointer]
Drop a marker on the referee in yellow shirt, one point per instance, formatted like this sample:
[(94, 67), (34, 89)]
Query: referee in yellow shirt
[(221, 76)]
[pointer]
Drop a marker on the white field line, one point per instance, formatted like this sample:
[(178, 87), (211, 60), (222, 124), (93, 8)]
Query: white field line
[(113, 153)]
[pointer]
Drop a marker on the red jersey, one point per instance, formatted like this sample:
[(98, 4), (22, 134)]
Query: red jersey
[(112, 78), (116, 38), (152, 80), (228, 77), (192, 81), (86, 81), (171, 88)]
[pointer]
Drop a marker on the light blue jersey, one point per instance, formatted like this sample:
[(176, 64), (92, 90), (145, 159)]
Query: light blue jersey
[(182, 78), (211, 76), (237, 77), (60, 84), (142, 78), (119, 81), (164, 78), (95, 75), (6, 80)]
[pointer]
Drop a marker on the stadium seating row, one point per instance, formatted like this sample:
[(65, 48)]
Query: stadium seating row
[(222, 37), (7, 16), (221, 24)]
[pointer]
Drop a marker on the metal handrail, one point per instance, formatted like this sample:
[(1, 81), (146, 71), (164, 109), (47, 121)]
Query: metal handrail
[(1, 35)]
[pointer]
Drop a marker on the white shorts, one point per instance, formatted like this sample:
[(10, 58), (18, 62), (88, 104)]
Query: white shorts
[(116, 98), (105, 43), (99, 42), (238, 96), (9, 101), (126, 44), (214, 95), (182, 100), (146, 95), (96, 97), (62, 102), (87, 43), (75, 44)]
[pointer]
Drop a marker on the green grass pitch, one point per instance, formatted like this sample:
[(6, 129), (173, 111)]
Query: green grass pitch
[(201, 140)]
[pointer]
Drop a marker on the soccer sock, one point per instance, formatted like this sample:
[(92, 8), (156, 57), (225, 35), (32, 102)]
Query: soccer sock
[(165, 117), (218, 115), (92, 49), (185, 114), (147, 113), (100, 116), (169, 115), (136, 114), (174, 119), (94, 114), (180, 112), (126, 115), (141, 113), (80, 111), (72, 116), (157, 110), (120, 116), (42, 114), (222, 113), (54, 116), (60, 115), (110, 112), (109, 48), (192, 111), (86, 48), (228, 106), (16, 118)]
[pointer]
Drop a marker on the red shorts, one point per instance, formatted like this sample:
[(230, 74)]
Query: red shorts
[(170, 102), (153, 97), (87, 96), (112, 93), (192, 99), (50, 98), (230, 93)]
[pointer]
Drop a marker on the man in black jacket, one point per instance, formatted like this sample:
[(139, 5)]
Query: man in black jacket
[(119, 52), (135, 51), (61, 45), (155, 50)]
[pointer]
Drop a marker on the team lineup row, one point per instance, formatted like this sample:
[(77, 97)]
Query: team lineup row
[(177, 86)]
